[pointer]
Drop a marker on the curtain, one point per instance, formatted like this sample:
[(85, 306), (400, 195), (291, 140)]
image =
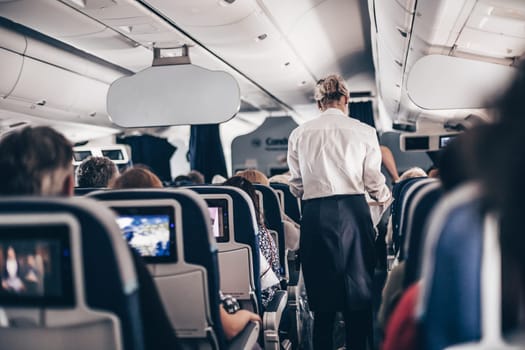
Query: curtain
[(155, 152), (206, 153), (363, 111)]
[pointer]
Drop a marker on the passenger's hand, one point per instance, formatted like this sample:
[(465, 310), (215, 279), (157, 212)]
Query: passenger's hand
[(233, 324)]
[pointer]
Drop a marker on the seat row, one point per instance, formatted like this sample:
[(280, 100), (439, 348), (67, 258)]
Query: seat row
[(449, 245), (89, 284)]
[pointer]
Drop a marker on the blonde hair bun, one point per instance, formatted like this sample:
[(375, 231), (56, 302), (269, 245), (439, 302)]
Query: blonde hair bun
[(330, 88)]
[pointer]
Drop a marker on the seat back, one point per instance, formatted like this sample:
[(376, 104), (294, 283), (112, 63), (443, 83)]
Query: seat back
[(82, 191), (274, 220), (449, 303), (290, 202), (418, 214), (405, 197), (239, 252), (490, 293), (74, 286), (188, 280)]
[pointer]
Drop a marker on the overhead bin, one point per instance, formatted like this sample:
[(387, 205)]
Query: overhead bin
[(43, 77), (446, 82), (48, 85), (9, 70), (394, 24)]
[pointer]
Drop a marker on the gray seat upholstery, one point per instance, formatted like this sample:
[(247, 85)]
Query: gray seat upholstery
[(239, 261), (88, 292), (189, 285)]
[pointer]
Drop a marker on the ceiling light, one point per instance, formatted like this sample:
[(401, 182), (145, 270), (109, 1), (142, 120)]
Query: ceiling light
[(126, 29), (483, 22), (79, 3), (226, 2), (261, 37)]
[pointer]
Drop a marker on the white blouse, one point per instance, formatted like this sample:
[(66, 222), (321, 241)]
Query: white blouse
[(335, 155)]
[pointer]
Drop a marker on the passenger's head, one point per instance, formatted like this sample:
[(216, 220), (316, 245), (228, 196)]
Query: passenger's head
[(182, 180), (281, 178), (433, 172), (136, 177), (96, 172), (457, 162), (412, 173), (254, 176), (246, 186), (37, 161), (196, 177), (501, 158), (332, 92), (218, 179)]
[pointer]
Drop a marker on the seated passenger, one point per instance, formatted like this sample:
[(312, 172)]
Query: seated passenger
[(96, 172), (38, 161), (291, 228), (501, 164), (266, 242), (136, 177), (194, 177), (457, 165), (283, 178), (412, 173), (218, 179)]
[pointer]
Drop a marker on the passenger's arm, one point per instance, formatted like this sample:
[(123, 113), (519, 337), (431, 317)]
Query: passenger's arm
[(233, 324), (296, 181), (373, 178)]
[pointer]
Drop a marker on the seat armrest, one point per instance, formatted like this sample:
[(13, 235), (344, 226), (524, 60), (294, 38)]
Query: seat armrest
[(272, 319), (294, 267), (247, 338)]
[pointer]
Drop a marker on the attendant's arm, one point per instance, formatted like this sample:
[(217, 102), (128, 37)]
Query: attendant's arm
[(389, 162), (373, 178), (296, 180)]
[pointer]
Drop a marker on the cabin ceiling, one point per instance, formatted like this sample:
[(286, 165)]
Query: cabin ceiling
[(275, 49), (405, 31)]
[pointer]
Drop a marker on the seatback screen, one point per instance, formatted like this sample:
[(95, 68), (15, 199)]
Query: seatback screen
[(218, 210), (150, 231), (35, 265)]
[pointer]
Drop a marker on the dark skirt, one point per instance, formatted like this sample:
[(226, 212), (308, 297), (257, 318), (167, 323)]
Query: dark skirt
[(337, 252)]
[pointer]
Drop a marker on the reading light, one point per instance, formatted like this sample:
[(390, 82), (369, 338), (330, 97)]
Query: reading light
[(261, 37)]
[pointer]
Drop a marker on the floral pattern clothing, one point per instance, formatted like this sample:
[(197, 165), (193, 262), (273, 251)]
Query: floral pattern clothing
[(269, 251)]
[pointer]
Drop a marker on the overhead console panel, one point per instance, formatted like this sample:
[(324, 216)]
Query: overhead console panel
[(425, 142), (173, 95)]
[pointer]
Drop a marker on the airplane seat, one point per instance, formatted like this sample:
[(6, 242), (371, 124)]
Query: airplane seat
[(239, 266), (418, 214), (82, 191), (273, 212), (491, 294), (449, 301), (291, 205), (405, 194), (274, 222), (76, 287), (188, 282)]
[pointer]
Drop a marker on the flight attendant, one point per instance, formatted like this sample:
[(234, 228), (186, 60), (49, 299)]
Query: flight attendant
[(333, 161)]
